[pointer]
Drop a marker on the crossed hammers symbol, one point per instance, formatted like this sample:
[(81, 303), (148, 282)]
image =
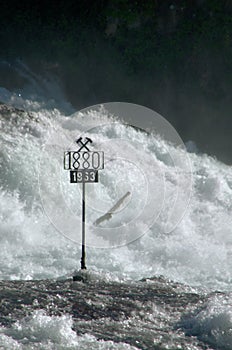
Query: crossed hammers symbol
[(83, 145)]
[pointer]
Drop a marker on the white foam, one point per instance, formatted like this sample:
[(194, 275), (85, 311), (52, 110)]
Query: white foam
[(213, 324), (198, 252), (40, 331)]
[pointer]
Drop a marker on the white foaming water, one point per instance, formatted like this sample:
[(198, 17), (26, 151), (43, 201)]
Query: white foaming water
[(198, 252), (213, 324), (40, 331)]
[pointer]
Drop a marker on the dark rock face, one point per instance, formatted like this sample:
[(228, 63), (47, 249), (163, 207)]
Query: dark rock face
[(18, 118), (8, 112)]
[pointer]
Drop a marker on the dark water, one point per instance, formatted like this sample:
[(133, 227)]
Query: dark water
[(151, 314)]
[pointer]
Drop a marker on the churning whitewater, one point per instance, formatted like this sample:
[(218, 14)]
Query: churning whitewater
[(197, 252), (40, 215)]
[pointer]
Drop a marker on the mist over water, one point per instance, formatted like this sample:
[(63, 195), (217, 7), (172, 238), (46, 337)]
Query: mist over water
[(197, 252), (35, 91)]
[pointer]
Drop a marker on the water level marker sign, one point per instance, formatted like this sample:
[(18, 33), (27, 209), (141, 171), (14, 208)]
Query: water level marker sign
[(83, 166)]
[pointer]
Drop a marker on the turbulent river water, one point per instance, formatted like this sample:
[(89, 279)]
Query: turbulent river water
[(154, 289)]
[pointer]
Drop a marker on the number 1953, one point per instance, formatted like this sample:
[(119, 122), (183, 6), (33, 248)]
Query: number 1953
[(83, 176)]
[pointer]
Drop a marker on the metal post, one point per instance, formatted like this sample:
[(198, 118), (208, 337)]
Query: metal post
[(83, 267)]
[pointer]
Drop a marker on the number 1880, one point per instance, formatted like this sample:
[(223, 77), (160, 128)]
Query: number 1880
[(83, 160)]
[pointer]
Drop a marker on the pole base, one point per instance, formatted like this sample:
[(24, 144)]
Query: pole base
[(81, 276)]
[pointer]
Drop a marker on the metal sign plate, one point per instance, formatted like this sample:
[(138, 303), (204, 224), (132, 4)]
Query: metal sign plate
[(79, 176), (74, 160)]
